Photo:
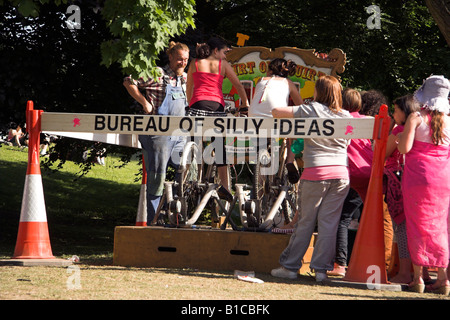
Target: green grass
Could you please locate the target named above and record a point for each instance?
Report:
(81, 212)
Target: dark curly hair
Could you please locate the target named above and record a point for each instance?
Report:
(372, 100)
(281, 67)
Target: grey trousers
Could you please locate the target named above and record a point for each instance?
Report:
(321, 203)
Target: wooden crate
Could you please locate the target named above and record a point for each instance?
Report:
(208, 249)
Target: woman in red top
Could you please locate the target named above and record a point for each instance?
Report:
(204, 88)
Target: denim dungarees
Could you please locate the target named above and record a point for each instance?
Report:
(162, 150)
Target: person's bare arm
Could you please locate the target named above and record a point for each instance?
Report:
(133, 90)
(391, 145)
(190, 82)
(406, 138)
(283, 112)
(294, 93)
(229, 73)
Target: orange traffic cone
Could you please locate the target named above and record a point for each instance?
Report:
(33, 240)
(367, 261)
(141, 218)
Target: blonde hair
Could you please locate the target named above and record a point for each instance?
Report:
(437, 126)
(329, 92)
(174, 46)
(351, 100)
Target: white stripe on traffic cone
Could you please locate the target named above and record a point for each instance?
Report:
(141, 218)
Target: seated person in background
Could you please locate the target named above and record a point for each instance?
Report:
(16, 136)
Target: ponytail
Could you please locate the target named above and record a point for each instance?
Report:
(282, 68)
(437, 126)
(204, 50)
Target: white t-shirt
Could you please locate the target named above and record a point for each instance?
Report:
(423, 131)
(269, 94)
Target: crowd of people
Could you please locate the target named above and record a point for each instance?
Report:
(417, 186)
(336, 171)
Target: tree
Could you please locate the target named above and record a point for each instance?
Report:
(142, 29)
(394, 59)
(440, 10)
(67, 70)
(59, 68)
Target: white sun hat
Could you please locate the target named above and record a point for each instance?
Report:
(433, 94)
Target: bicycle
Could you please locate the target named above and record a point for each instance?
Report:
(197, 185)
(275, 197)
(272, 198)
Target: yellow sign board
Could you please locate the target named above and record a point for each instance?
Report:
(250, 64)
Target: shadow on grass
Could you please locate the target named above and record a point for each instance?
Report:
(81, 213)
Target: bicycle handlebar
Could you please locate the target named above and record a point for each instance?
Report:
(241, 112)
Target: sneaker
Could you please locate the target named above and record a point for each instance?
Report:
(282, 272)
(337, 271)
(321, 276)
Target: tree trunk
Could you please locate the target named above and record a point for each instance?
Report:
(440, 10)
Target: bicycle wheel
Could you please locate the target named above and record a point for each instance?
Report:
(213, 177)
(275, 197)
(189, 177)
(289, 205)
(264, 192)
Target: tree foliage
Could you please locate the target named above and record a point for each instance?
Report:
(69, 70)
(81, 70)
(60, 69)
(142, 29)
(393, 59)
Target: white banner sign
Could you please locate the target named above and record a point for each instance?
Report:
(317, 128)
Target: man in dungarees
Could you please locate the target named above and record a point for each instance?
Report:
(162, 96)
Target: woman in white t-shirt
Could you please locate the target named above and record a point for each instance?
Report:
(273, 91)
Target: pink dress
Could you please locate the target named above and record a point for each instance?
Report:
(426, 200)
(360, 156)
(393, 170)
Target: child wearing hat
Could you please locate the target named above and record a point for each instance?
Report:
(425, 142)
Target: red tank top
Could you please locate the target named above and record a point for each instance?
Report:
(207, 86)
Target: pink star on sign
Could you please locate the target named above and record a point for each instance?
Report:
(349, 130)
(76, 122)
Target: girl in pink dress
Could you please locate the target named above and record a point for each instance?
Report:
(360, 152)
(426, 183)
(393, 172)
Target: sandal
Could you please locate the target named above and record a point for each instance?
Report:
(293, 175)
(416, 287)
(442, 289)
